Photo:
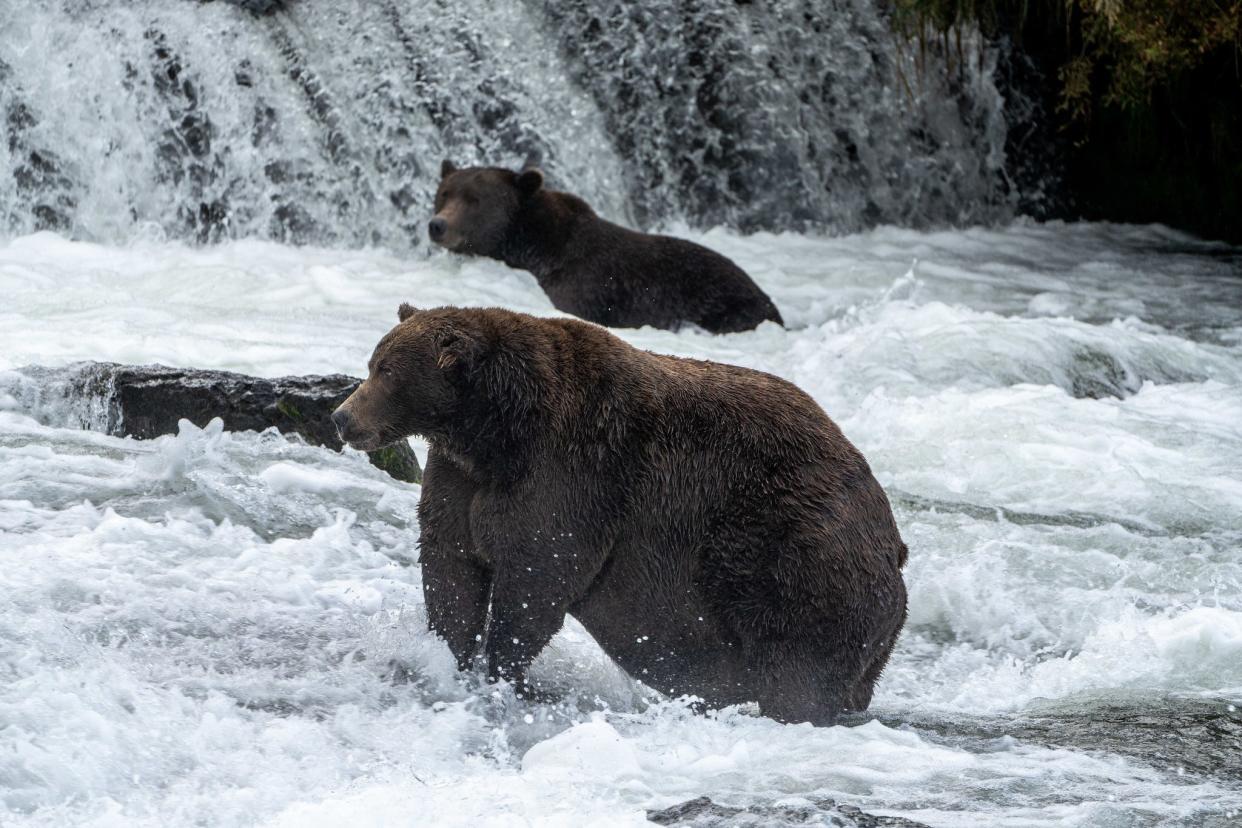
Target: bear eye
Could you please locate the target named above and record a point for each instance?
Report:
(386, 369)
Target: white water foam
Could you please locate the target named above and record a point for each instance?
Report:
(227, 628)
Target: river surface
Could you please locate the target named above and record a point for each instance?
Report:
(225, 629)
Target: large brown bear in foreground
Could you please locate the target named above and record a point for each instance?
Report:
(708, 524)
(590, 267)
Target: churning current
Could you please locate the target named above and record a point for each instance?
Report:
(227, 628)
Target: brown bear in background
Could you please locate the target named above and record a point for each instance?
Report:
(587, 266)
(708, 524)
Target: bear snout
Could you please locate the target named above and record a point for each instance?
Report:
(436, 229)
(355, 431)
(342, 420)
(351, 432)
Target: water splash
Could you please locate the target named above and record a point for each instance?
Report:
(82, 395)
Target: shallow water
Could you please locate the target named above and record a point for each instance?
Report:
(227, 628)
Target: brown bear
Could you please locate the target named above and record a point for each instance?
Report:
(589, 267)
(708, 524)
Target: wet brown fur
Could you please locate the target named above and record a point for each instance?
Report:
(590, 267)
(708, 524)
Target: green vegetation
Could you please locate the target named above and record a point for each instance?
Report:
(1117, 51)
(402, 465)
(1135, 47)
(1146, 94)
(289, 410)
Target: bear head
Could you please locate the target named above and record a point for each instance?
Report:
(476, 206)
(417, 380)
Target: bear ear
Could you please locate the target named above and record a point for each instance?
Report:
(529, 181)
(405, 311)
(456, 349)
(446, 167)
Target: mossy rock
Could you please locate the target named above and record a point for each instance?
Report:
(145, 401)
(289, 410)
(399, 461)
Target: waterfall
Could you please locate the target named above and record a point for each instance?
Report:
(325, 122)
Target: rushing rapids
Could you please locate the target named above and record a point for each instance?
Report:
(227, 627)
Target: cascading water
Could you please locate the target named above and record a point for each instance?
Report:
(227, 627)
(325, 122)
(788, 114)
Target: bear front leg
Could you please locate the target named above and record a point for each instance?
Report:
(455, 589)
(547, 541)
(456, 582)
(524, 619)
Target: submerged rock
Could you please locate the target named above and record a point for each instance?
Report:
(1189, 735)
(257, 7)
(703, 813)
(145, 401)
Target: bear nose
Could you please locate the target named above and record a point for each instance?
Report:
(436, 228)
(340, 418)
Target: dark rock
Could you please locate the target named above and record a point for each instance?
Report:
(257, 7)
(1190, 736)
(145, 401)
(703, 813)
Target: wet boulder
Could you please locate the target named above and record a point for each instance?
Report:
(257, 7)
(145, 401)
(704, 813)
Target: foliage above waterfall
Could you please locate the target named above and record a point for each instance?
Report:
(1141, 100)
(1119, 50)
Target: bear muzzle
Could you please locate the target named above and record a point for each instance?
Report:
(440, 231)
(351, 434)
(343, 422)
